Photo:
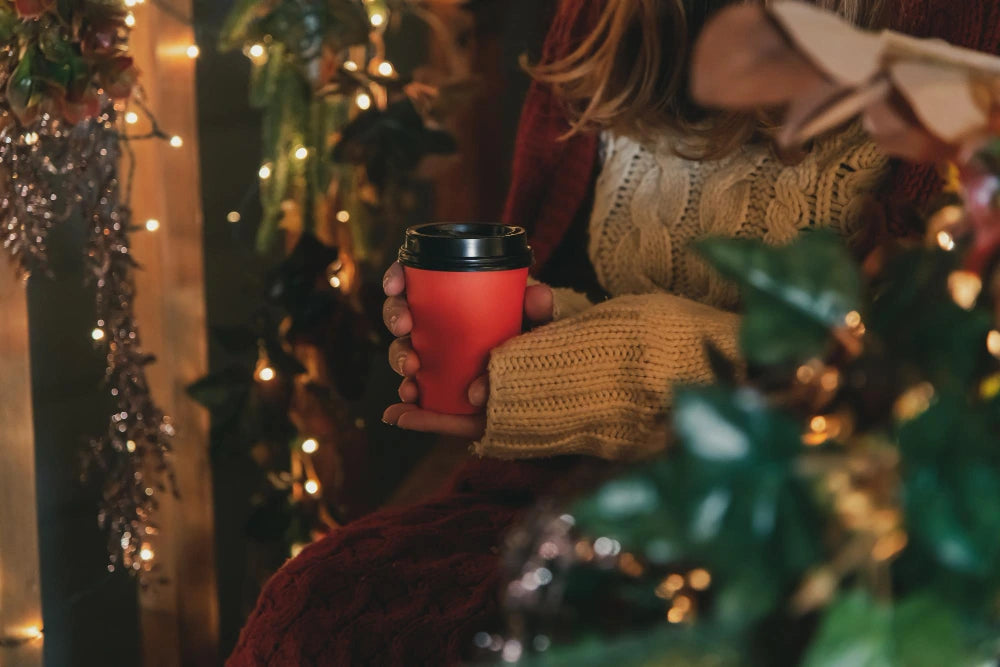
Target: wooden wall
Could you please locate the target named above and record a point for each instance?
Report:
(179, 620)
(20, 578)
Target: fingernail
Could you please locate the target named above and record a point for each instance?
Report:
(400, 362)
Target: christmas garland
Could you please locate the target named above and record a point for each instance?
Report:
(344, 131)
(67, 78)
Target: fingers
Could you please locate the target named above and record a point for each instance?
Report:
(394, 412)
(393, 283)
(408, 392)
(402, 358)
(412, 418)
(396, 315)
(538, 303)
(479, 391)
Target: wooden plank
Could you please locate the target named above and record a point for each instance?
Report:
(179, 619)
(20, 589)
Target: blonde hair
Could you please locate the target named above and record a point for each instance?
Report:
(630, 74)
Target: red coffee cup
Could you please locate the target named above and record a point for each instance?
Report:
(465, 286)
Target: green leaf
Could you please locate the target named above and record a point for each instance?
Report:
(951, 481)
(920, 631)
(733, 427)
(62, 64)
(855, 632)
(8, 23)
(723, 368)
(23, 85)
(236, 28)
(928, 633)
(913, 312)
(223, 391)
(793, 296)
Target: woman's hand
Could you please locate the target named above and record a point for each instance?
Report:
(404, 360)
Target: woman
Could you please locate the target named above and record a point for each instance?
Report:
(598, 381)
(411, 586)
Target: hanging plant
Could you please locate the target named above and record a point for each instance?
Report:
(66, 76)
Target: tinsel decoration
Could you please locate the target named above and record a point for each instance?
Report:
(67, 74)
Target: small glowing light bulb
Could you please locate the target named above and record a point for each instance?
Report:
(334, 281)
(312, 487)
(363, 101)
(97, 334)
(945, 240)
(131, 3)
(385, 68)
(310, 446)
(130, 446)
(265, 172)
(146, 553)
(699, 579)
(350, 66)
(257, 53)
(377, 19)
(130, 20)
(176, 141)
(266, 374)
(33, 632)
(131, 118)
(193, 51)
(234, 216)
(965, 288)
(152, 224)
(993, 342)
(343, 216)
(301, 153)
(31, 138)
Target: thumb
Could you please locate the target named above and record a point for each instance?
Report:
(538, 303)
(479, 391)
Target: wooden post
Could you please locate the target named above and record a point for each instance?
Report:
(179, 619)
(20, 590)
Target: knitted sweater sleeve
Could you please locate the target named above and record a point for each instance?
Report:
(600, 382)
(567, 302)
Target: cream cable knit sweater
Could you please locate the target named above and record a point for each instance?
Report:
(598, 380)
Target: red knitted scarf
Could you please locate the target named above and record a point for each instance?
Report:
(410, 586)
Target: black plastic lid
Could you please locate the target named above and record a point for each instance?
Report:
(466, 246)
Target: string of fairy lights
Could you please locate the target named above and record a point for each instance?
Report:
(257, 53)
(373, 94)
(140, 538)
(306, 478)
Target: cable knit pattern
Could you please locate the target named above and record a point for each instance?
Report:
(598, 381)
(651, 204)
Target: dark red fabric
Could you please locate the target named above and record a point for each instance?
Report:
(551, 176)
(971, 23)
(400, 587)
(409, 586)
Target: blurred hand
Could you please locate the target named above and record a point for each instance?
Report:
(404, 360)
